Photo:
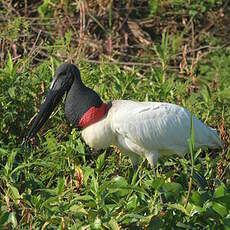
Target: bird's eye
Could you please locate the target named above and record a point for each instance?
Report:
(61, 75)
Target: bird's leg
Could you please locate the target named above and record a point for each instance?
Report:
(152, 159)
(135, 160)
(162, 196)
(135, 167)
(133, 174)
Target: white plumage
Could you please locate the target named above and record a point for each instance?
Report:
(149, 129)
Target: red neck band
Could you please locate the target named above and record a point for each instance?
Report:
(93, 115)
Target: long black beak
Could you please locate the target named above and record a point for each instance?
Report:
(52, 99)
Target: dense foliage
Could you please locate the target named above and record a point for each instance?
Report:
(58, 182)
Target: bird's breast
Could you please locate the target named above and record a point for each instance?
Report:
(99, 135)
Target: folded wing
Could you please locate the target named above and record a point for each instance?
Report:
(159, 127)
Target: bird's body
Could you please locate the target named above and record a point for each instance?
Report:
(139, 129)
(148, 129)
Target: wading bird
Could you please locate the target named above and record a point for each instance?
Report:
(139, 129)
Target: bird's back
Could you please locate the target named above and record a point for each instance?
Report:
(160, 127)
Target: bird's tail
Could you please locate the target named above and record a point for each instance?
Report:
(216, 141)
(206, 136)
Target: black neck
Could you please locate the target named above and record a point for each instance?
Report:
(79, 100)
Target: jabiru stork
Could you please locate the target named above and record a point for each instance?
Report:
(138, 129)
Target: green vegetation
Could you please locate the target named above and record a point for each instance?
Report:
(58, 182)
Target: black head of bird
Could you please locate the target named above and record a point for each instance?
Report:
(79, 98)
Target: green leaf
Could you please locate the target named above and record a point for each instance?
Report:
(82, 198)
(61, 185)
(94, 185)
(9, 65)
(50, 202)
(97, 223)
(220, 191)
(10, 161)
(172, 187)
(87, 172)
(43, 8)
(199, 198)
(132, 202)
(132, 216)
(220, 209)
(183, 226)
(118, 186)
(180, 208)
(13, 220)
(100, 161)
(11, 92)
(113, 224)
(172, 190)
(51, 142)
(157, 183)
(118, 181)
(227, 222)
(155, 223)
(68, 36)
(80, 147)
(195, 198)
(4, 218)
(15, 193)
(78, 209)
(224, 200)
(199, 179)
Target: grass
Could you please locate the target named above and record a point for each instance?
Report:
(59, 183)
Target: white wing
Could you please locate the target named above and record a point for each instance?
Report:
(144, 127)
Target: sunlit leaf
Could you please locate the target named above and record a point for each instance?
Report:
(13, 220)
(78, 209)
(15, 193)
(100, 161)
(220, 209)
(113, 224)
